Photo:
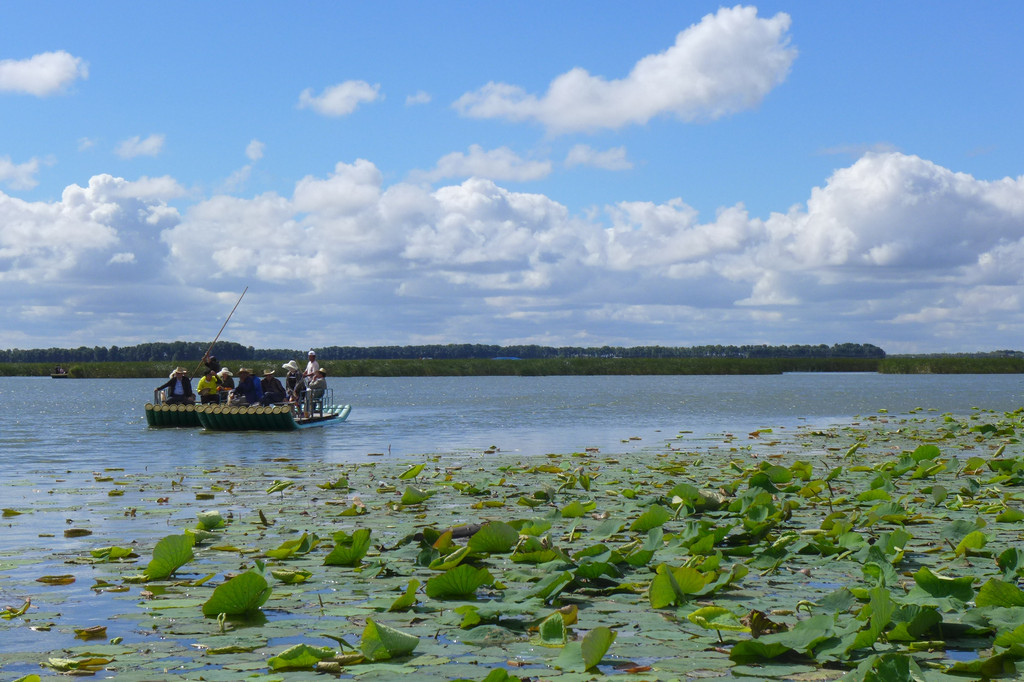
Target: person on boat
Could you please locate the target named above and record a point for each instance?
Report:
(207, 388)
(273, 391)
(211, 362)
(224, 381)
(248, 391)
(292, 380)
(312, 367)
(315, 393)
(179, 388)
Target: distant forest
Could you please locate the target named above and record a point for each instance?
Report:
(184, 351)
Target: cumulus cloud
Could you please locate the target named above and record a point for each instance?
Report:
(111, 221)
(496, 164)
(890, 247)
(44, 74)
(18, 175)
(137, 146)
(726, 63)
(609, 159)
(341, 99)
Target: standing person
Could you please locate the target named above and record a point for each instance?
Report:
(291, 382)
(273, 391)
(180, 388)
(312, 367)
(211, 362)
(248, 391)
(208, 387)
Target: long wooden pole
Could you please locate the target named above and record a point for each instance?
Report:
(221, 331)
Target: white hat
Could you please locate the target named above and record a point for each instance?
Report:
(290, 365)
(311, 352)
(225, 372)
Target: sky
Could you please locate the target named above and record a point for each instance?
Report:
(571, 173)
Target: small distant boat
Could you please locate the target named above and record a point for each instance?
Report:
(59, 375)
(222, 417)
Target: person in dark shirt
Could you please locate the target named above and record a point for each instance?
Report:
(273, 391)
(179, 388)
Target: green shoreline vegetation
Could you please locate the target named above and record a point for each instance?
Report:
(887, 548)
(554, 366)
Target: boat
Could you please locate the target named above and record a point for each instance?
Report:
(223, 417)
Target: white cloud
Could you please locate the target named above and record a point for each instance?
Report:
(137, 146)
(44, 74)
(112, 221)
(420, 97)
(727, 63)
(85, 144)
(495, 164)
(890, 247)
(18, 175)
(341, 99)
(254, 150)
(609, 159)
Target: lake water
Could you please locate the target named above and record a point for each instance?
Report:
(101, 422)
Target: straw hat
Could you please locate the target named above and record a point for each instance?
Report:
(268, 372)
(290, 365)
(179, 370)
(225, 373)
(246, 370)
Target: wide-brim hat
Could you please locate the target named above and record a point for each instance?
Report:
(290, 365)
(244, 369)
(225, 372)
(268, 372)
(180, 370)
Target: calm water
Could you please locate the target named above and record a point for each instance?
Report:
(101, 423)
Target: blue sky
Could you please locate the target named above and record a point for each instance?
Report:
(576, 173)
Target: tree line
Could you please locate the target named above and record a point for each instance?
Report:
(192, 351)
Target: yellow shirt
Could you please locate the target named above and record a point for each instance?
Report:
(207, 386)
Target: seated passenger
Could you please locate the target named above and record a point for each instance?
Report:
(179, 388)
(208, 388)
(248, 391)
(315, 393)
(273, 391)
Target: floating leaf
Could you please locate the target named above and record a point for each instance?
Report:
(408, 599)
(415, 495)
(381, 642)
(495, 537)
(349, 550)
(291, 576)
(717, 618)
(242, 595)
(996, 592)
(208, 520)
(65, 579)
(299, 656)
(552, 630)
(461, 581)
(170, 554)
(655, 516)
(412, 472)
(93, 632)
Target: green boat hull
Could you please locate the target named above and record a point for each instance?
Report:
(225, 418)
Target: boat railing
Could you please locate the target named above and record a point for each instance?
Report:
(315, 407)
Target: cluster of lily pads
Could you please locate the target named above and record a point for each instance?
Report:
(883, 550)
